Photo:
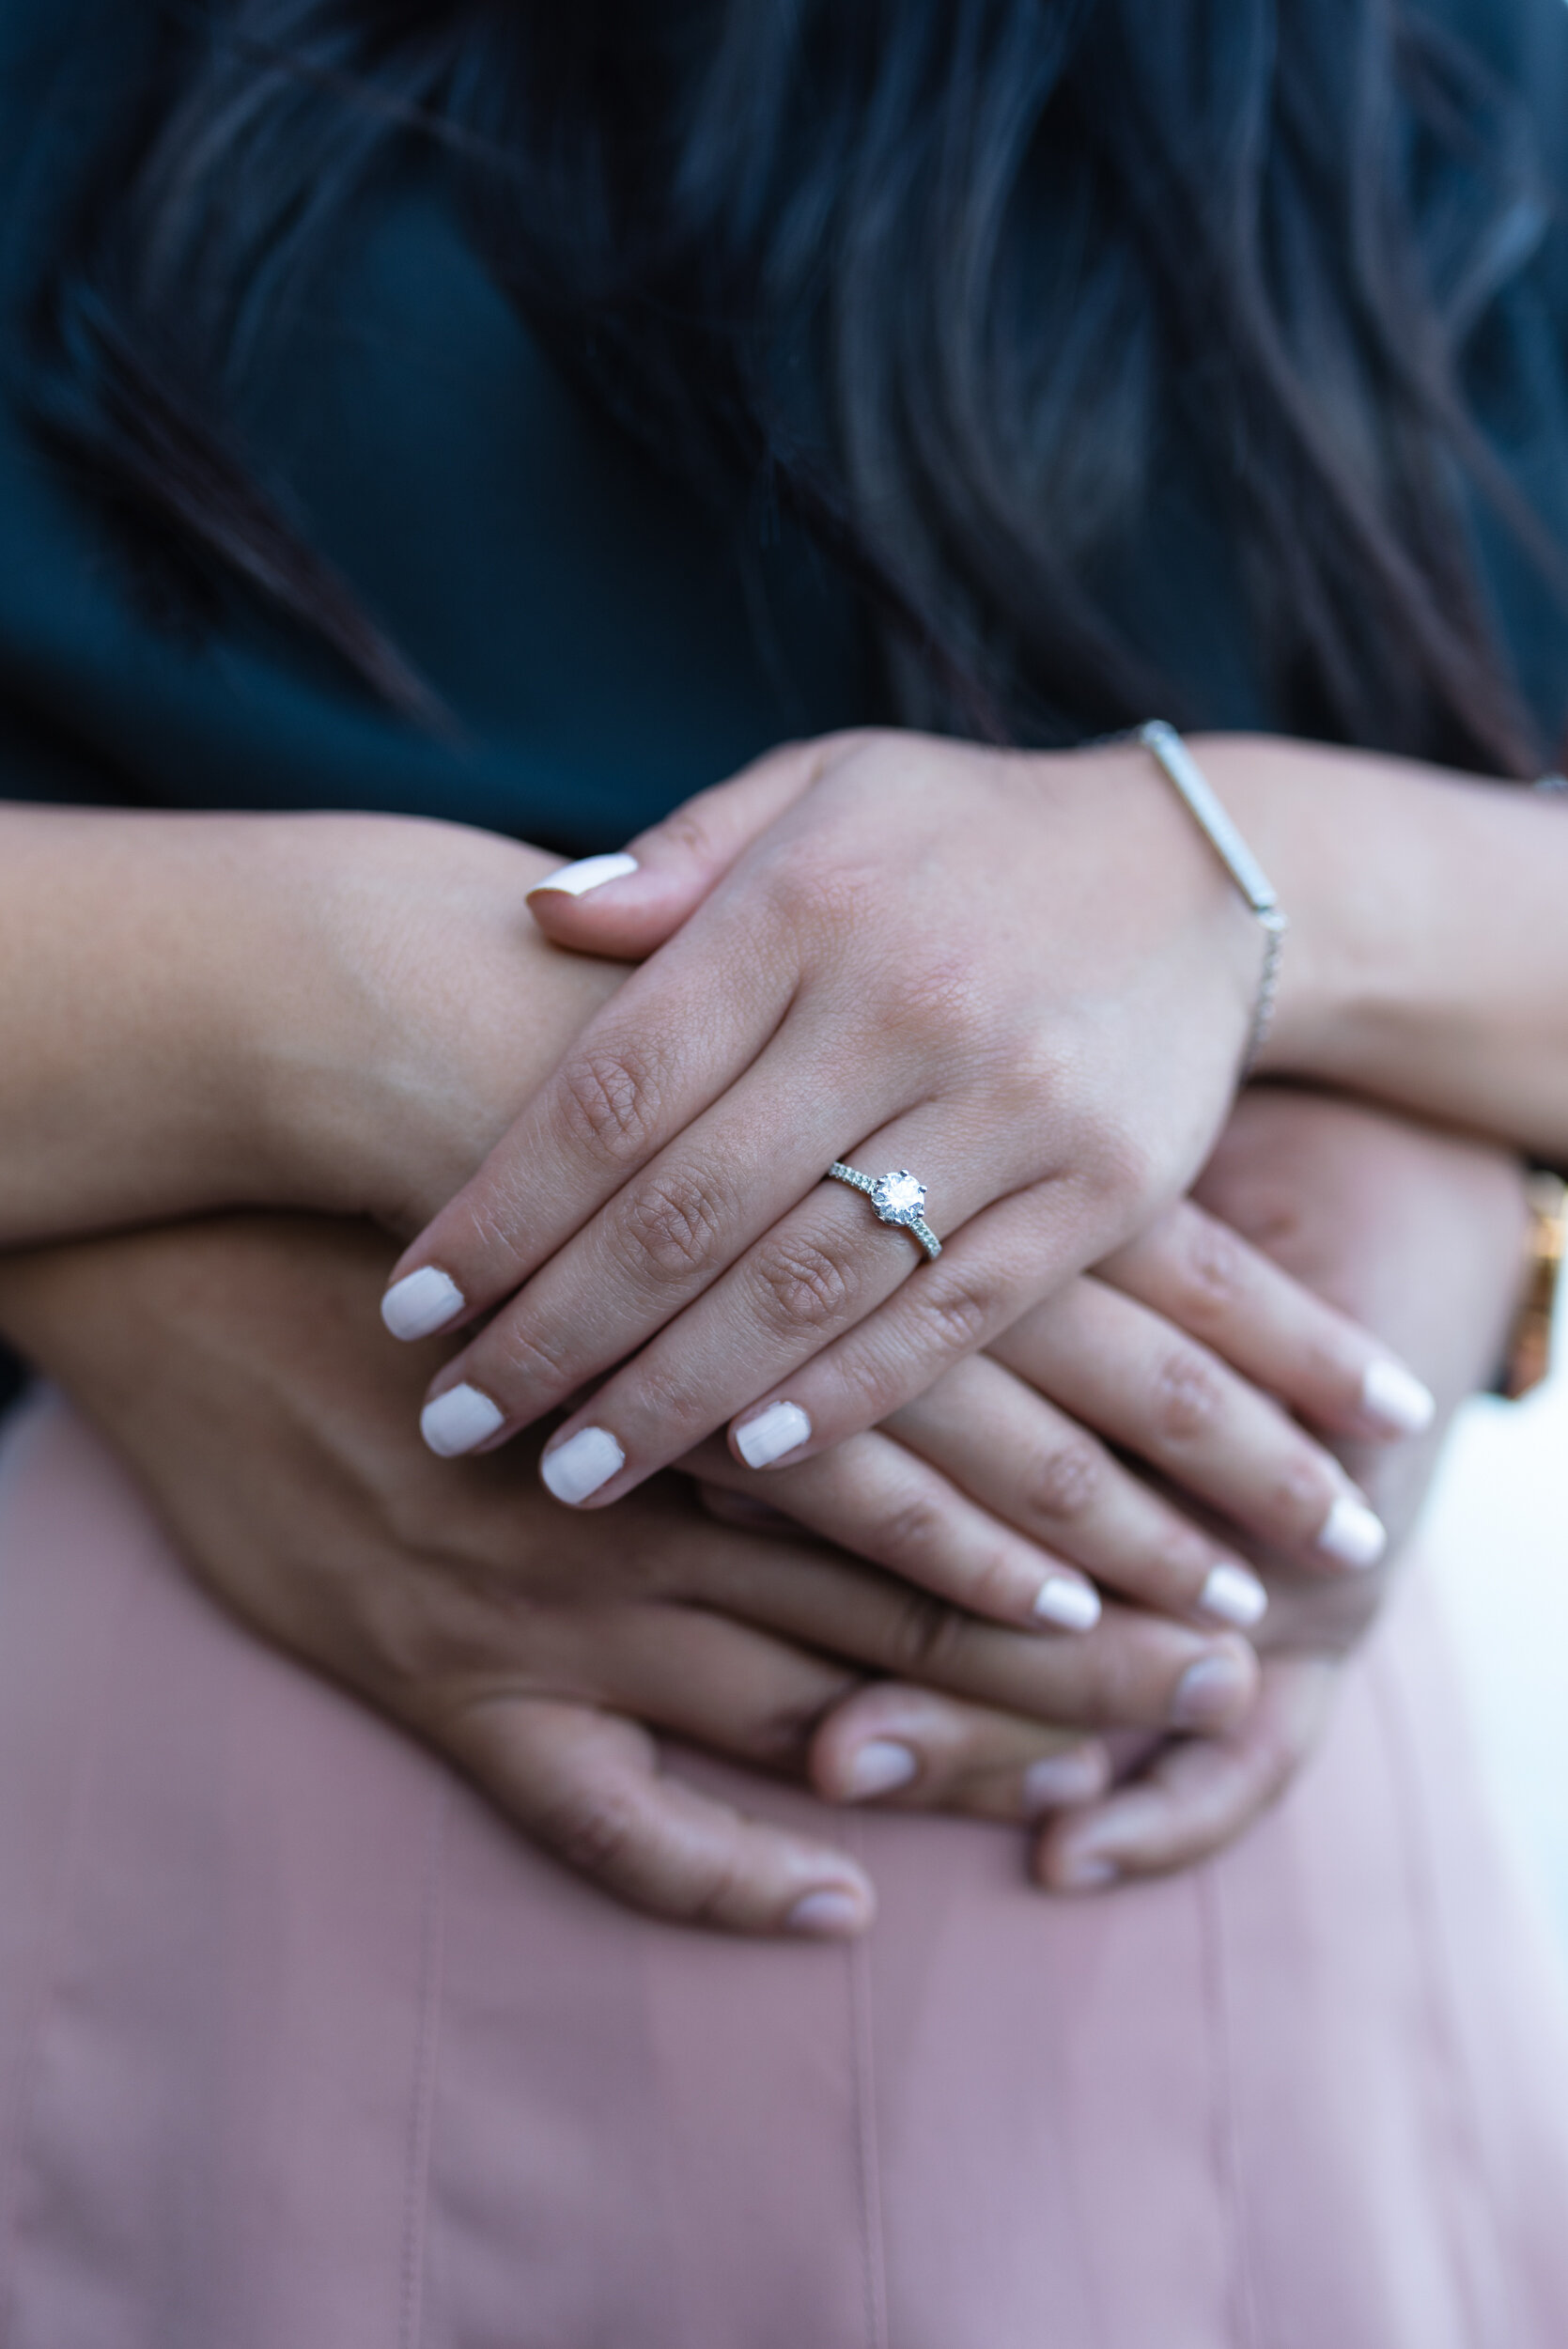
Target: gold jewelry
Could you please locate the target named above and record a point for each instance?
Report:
(1529, 1345)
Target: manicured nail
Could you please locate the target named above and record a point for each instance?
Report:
(458, 1420)
(1070, 1606)
(1205, 1695)
(880, 1765)
(1235, 1596)
(1086, 1872)
(581, 1465)
(1394, 1398)
(1352, 1533)
(421, 1303)
(589, 872)
(829, 1914)
(783, 1427)
(1064, 1778)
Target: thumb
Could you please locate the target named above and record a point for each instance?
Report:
(627, 904)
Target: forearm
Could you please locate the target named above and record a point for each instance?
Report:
(1427, 959)
(212, 1011)
(122, 940)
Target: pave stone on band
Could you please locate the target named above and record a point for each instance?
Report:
(897, 1198)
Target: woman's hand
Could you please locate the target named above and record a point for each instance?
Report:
(239, 1368)
(1027, 977)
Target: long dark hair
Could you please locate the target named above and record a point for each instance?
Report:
(966, 284)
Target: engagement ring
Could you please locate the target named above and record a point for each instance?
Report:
(897, 1198)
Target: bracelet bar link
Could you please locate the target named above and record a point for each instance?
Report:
(1202, 803)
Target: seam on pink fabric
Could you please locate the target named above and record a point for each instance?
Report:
(873, 2241)
(13, 2152)
(1245, 2327)
(422, 2102)
(1449, 2069)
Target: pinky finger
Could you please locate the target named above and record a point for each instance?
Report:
(586, 1786)
(1198, 1795)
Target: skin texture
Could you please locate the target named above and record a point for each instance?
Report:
(237, 1366)
(354, 1026)
(1422, 1234)
(1032, 988)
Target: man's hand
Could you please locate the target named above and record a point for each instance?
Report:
(1420, 1235)
(239, 1367)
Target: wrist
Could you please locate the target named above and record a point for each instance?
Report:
(1315, 829)
(411, 1007)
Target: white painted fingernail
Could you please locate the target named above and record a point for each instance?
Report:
(1085, 1873)
(421, 1303)
(1205, 1695)
(589, 872)
(1352, 1533)
(1070, 1606)
(581, 1465)
(783, 1427)
(1235, 1596)
(1064, 1778)
(827, 1914)
(1396, 1399)
(458, 1420)
(880, 1765)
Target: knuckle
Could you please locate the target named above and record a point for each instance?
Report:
(1188, 1396)
(1301, 1494)
(610, 1098)
(672, 1226)
(778, 1737)
(958, 1312)
(1111, 1686)
(690, 831)
(944, 1004)
(1121, 1172)
(910, 1532)
(870, 1386)
(1067, 1480)
(819, 899)
(1182, 1561)
(721, 1891)
(592, 1829)
(805, 1283)
(677, 1397)
(1211, 1265)
(927, 1638)
(520, 1358)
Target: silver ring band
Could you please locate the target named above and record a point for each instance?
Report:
(897, 1198)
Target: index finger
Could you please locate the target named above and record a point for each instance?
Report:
(1205, 1277)
(667, 1047)
(587, 1786)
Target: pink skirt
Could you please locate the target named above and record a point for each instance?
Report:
(302, 2048)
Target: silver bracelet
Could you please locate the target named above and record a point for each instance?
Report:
(1203, 806)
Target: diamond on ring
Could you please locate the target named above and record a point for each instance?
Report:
(897, 1197)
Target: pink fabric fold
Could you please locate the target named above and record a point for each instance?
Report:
(302, 2048)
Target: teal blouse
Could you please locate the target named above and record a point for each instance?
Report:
(604, 645)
